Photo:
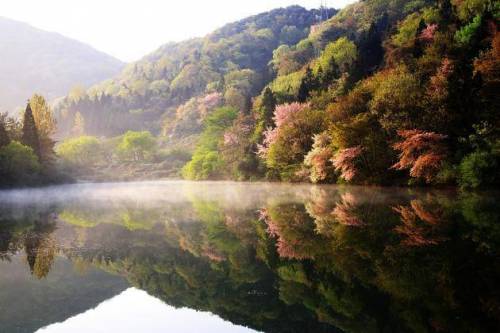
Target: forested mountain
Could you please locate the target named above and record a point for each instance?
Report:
(231, 63)
(384, 91)
(38, 61)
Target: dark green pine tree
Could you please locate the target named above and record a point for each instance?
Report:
(268, 106)
(309, 83)
(418, 47)
(445, 10)
(371, 52)
(4, 136)
(30, 133)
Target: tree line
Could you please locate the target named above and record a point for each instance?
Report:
(27, 155)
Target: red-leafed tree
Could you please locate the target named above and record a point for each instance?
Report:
(423, 153)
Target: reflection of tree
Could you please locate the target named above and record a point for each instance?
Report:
(40, 246)
(294, 231)
(304, 266)
(418, 224)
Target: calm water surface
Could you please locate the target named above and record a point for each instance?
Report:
(237, 257)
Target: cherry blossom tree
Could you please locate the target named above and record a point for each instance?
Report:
(345, 162)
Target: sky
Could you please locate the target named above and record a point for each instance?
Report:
(129, 29)
(136, 311)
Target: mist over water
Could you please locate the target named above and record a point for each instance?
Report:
(233, 194)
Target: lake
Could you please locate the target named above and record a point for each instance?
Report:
(248, 257)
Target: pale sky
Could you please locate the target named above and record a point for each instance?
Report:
(129, 29)
(135, 311)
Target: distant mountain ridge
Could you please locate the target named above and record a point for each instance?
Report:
(48, 63)
(163, 91)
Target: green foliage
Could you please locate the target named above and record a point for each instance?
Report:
(466, 33)
(396, 99)
(232, 60)
(82, 151)
(286, 87)
(467, 9)
(407, 30)
(18, 165)
(479, 168)
(137, 145)
(30, 136)
(342, 51)
(4, 136)
(206, 161)
(294, 140)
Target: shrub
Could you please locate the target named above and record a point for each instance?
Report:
(81, 151)
(18, 165)
(478, 169)
(137, 145)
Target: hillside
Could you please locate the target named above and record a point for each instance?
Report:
(383, 92)
(232, 61)
(38, 61)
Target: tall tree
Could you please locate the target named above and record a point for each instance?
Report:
(4, 136)
(268, 106)
(30, 136)
(45, 125)
(309, 83)
(78, 125)
(418, 47)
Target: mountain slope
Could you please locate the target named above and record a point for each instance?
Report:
(34, 60)
(231, 62)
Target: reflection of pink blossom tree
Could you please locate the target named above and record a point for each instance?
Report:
(344, 211)
(212, 254)
(291, 231)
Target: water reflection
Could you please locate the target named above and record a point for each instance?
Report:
(276, 258)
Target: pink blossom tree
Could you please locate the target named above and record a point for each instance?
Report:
(282, 114)
(345, 161)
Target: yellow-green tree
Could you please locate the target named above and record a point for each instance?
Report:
(45, 125)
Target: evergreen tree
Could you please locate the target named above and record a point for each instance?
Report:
(418, 48)
(46, 127)
(371, 52)
(78, 125)
(309, 83)
(445, 10)
(30, 134)
(268, 106)
(4, 136)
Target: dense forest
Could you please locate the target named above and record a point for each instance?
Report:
(27, 155)
(380, 92)
(385, 92)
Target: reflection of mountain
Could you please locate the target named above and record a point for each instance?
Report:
(292, 259)
(27, 304)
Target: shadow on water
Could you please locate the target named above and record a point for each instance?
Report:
(273, 257)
